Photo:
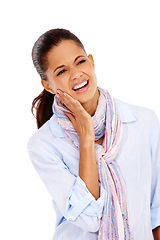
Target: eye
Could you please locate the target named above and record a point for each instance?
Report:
(82, 61)
(62, 71)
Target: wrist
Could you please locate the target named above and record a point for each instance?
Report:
(86, 142)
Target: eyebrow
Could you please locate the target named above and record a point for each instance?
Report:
(74, 62)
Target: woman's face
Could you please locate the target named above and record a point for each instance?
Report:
(72, 71)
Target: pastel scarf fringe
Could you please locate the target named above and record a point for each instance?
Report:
(115, 220)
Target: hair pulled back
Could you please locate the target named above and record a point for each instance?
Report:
(44, 101)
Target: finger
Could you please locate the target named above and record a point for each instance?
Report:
(71, 103)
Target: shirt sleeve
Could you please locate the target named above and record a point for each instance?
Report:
(69, 192)
(155, 186)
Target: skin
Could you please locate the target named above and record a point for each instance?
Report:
(156, 233)
(78, 66)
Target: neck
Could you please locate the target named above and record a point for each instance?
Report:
(91, 106)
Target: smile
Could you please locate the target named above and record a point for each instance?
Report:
(81, 85)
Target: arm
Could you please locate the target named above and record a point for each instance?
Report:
(156, 233)
(82, 123)
(71, 198)
(71, 194)
(88, 167)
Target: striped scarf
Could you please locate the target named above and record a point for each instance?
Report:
(106, 120)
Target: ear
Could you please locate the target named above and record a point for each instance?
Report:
(91, 59)
(47, 86)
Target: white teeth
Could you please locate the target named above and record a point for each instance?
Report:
(80, 85)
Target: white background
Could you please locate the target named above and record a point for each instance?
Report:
(124, 38)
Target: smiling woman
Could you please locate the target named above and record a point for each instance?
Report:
(98, 157)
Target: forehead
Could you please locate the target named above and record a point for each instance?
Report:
(65, 52)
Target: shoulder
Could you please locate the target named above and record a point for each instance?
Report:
(134, 113)
(48, 143)
(47, 136)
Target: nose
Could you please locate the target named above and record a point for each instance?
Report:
(75, 74)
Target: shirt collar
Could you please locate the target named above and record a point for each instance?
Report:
(127, 116)
(126, 112)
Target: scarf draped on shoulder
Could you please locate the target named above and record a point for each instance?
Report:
(107, 122)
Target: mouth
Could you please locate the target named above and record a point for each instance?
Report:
(81, 86)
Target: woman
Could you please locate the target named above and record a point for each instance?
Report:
(98, 157)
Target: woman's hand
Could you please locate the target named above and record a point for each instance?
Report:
(81, 120)
(83, 124)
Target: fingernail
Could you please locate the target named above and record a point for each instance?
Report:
(58, 92)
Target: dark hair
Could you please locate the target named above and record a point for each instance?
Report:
(43, 103)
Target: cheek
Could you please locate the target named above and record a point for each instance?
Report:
(55, 82)
(89, 68)
(59, 83)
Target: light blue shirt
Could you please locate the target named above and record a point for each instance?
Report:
(78, 213)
